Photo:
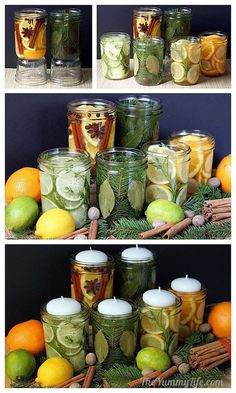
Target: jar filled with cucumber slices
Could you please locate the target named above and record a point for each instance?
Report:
(67, 336)
(121, 179)
(148, 60)
(115, 336)
(167, 172)
(115, 54)
(138, 120)
(185, 58)
(65, 182)
(147, 22)
(177, 23)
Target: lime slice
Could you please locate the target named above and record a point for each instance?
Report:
(48, 333)
(136, 64)
(194, 53)
(193, 74)
(78, 361)
(152, 65)
(182, 195)
(177, 71)
(51, 352)
(112, 50)
(68, 335)
(70, 186)
(179, 51)
(47, 204)
(152, 324)
(150, 340)
(156, 191)
(46, 183)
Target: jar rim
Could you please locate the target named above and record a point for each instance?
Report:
(213, 32)
(148, 261)
(201, 134)
(203, 290)
(142, 41)
(66, 13)
(151, 103)
(75, 153)
(143, 10)
(109, 106)
(182, 148)
(110, 262)
(115, 34)
(177, 304)
(180, 11)
(103, 156)
(84, 312)
(135, 311)
(190, 38)
(26, 12)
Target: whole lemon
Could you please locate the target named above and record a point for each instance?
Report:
(154, 358)
(54, 223)
(54, 371)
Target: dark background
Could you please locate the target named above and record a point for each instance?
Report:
(204, 17)
(85, 38)
(36, 274)
(36, 122)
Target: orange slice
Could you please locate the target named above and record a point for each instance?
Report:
(188, 310)
(220, 53)
(195, 163)
(208, 50)
(206, 66)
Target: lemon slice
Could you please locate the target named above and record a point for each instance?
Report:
(177, 71)
(46, 183)
(89, 295)
(182, 171)
(152, 65)
(41, 40)
(206, 65)
(194, 53)
(188, 310)
(208, 163)
(182, 195)
(93, 141)
(174, 323)
(179, 51)
(69, 335)
(155, 324)
(48, 333)
(150, 340)
(156, 175)
(200, 312)
(193, 74)
(190, 138)
(196, 162)
(156, 191)
(136, 64)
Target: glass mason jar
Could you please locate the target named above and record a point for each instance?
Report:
(115, 53)
(213, 52)
(67, 336)
(147, 22)
(159, 326)
(65, 182)
(121, 178)
(167, 173)
(91, 125)
(65, 46)
(135, 276)
(192, 311)
(185, 58)
(202, 147)
(148, 60)
(30, 45)
(92, 283)
(138, 120)
(177, 23)
(115, 336)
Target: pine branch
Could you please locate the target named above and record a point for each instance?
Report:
(202, 194)
(197, 338)
(119, 375)
(207, 231)
(195, 378)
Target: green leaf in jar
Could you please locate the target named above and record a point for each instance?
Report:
(106, 199)
(136, 195)
(152, 65)
(100, 346)
(128, 343)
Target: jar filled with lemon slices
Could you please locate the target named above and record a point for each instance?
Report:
(202, 147)
(213, 53)
(167, 173)
(91, 125)
(185, 57)
(147, 22)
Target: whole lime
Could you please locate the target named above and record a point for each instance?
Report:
(21, 213)
(20, 364)
(167, 211)
(154, 358)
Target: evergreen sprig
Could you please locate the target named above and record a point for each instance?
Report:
(196, 379)
(119, 375)
(202, 194)
(196, 339)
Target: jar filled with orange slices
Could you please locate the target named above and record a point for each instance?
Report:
(202, 147)
(91, 125)
(167, 173)
(185, 57)
(213, 53)
(30, 44)
(193, 295)
(159, 320)
(147, 22)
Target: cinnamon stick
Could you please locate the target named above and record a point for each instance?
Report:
(105, 384)
(224, 209)
(18, 39)
(34, 36)
(107, 131)
(165, 375)
(220, 216)
(142, 380)
(77, 378)
(74, 233)
(223, 221)
(93, 229)
(206, 362)
(74, 133)
(89, 377)
(215, 364)
(155, 231)
(213, 201)
(174, 230)
(216, 343)
(151, 25)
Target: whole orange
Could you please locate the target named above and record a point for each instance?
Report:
(25, 181)
(223, 172)
(220, 319)
(27, 335)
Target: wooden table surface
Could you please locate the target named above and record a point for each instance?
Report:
(10, 82)
(221, 82)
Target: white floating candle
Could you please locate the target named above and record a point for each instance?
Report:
(159, 298)
(63, 306)
(136, 253)
(114, 307)
(91, 257)
(186, 284)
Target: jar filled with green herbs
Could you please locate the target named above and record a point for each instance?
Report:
(115, 330)
(138, 120)
(135, 272)
(177, 23)
(148, 60)
(65, 46)
(121, 178)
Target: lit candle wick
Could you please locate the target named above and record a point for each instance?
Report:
(159, 288)
(186, 276)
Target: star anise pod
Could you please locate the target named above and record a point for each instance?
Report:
(27, 32)
(95, 129)
(92, 286)
(143, 27)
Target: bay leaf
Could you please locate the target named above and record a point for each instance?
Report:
(136, 195)
(100, 346)
(106, 199)
(128, 343)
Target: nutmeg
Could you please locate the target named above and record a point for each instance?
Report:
(93, 213)
(177, 360)
(205, 328)
(90, 359)
(184, 368)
